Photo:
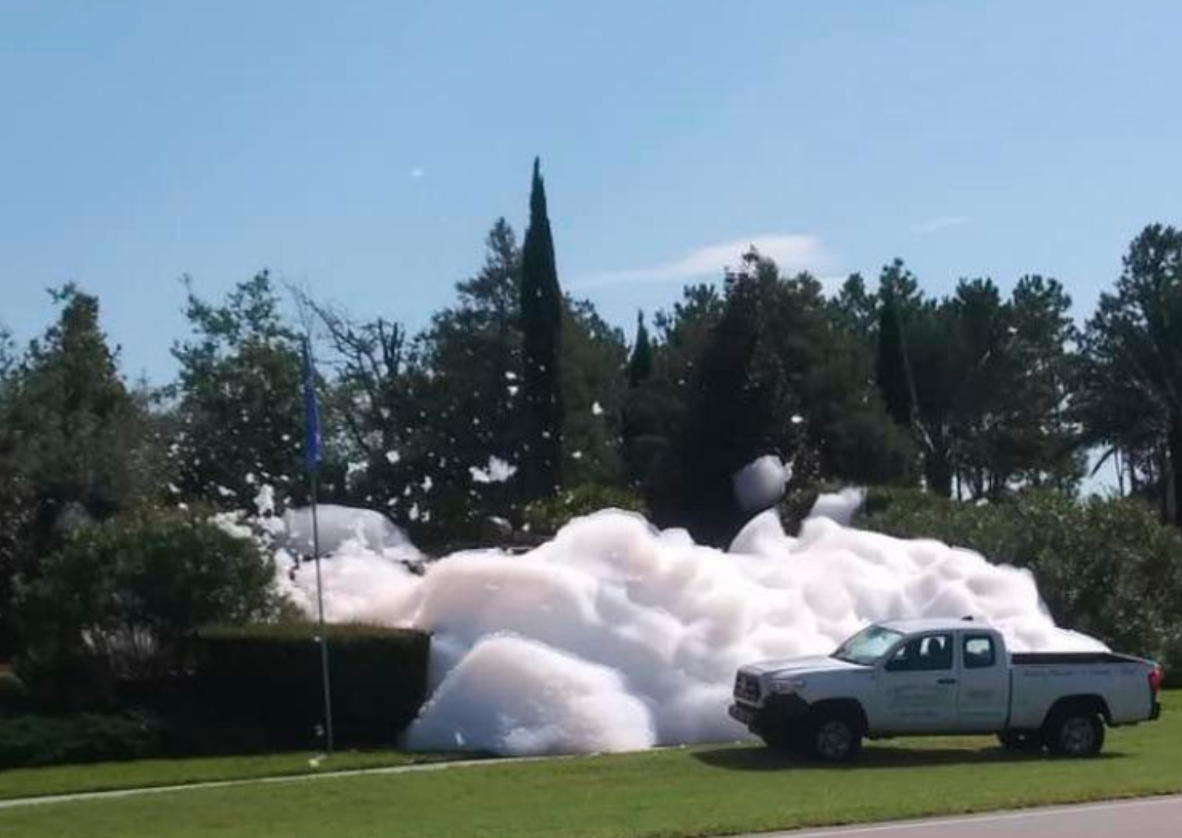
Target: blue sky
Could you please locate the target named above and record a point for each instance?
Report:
(364, 149)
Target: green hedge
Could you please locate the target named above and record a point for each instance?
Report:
(29, 740)
(260, 687)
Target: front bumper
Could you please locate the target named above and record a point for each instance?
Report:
(776, 713)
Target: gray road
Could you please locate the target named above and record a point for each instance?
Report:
(1155, 817)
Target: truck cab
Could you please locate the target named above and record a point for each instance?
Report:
(934, 677)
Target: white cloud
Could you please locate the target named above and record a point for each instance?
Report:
(792, 252)
(933, 225)
(418, 173)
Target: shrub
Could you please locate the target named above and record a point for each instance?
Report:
(30, 740)
(550, 514)
(1105, 567)
(260, 686)
(122, 598)
(14, 696)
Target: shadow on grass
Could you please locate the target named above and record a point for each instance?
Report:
(755, 758)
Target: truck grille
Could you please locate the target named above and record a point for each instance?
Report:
(747, 687)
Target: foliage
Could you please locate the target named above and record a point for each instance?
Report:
(594, 357)
(14, 695)
(981, 382)
(75, 443)
(29, 740)
(121, 598)
(260, 685)
(1130, 384)
(551, 514)
(766, 368)
(240, 413)
(541, 328)
(1105, 567)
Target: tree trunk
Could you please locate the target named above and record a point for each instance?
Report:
(1173, 472)
(938, 472)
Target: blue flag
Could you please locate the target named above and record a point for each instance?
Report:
(311, 412)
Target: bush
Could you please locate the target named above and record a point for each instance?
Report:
(260, 686)
(14, 696)
(122, 598)
(1105, 567)
(550, 514)
(30, 740)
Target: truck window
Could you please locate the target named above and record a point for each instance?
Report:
(924, 654)
(979, 652)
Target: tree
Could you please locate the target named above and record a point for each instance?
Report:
(463, 408)
(240, 413)
(75, 444)
(593, 363)
(640, 363)
(541, 326)
(120, 598)
(892, 369)
(1130, 384)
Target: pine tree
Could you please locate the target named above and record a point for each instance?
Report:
(640, 365)
(891, 368)
(541, 325)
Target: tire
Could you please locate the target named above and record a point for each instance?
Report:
(1074, 733)
(835, 737)
(1020, 740)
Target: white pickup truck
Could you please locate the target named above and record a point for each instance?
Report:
(933, 677)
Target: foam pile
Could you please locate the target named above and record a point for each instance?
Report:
(618, 636)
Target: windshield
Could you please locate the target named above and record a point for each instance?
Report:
(867, 646)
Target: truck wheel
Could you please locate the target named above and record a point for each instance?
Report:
(835, 738)
(1020, 740)
(1075, 733)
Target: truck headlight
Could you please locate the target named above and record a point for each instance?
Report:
(788, 685)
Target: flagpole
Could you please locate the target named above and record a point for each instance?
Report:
(312, 460)
(320, 610)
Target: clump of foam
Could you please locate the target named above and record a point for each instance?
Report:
(341, 525)
(615, 635)
(760, 484)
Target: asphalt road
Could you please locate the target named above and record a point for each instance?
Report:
(1155, 817)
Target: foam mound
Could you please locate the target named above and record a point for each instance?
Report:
(616, 636)
(341, 526)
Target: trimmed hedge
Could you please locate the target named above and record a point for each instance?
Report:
(260, 686)
(30, 740)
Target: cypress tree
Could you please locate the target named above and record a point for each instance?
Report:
(640, 365)
(891, 367)
(541, 326)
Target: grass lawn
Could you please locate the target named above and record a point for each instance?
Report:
(103, 776)
(686, 792)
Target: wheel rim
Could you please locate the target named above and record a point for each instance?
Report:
(1077, 736)
(834, 740)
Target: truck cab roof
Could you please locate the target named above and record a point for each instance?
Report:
(916, 626)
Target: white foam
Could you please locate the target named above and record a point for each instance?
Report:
(760, 483)
(340, 525)
(616, 636)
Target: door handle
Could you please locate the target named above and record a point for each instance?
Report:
(946, 681)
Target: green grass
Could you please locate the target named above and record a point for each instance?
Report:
(685, 792)
(105, 776)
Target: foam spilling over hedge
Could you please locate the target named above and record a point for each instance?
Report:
(616, 636)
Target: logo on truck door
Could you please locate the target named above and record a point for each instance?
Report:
(912, 686)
